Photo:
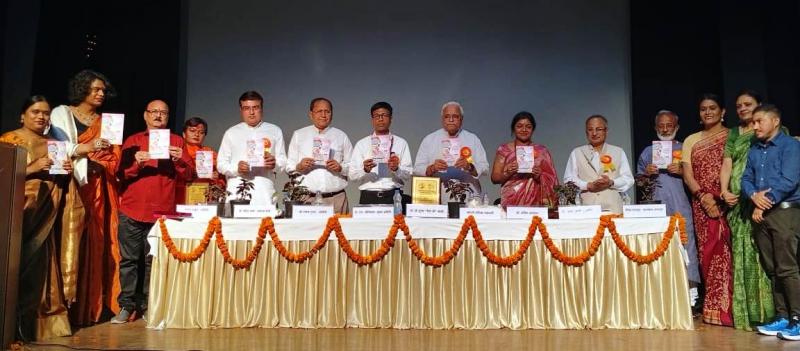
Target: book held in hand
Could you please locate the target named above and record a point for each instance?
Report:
(255, 152)
(321, 150)
(57, 152)
(158, 146)
(204, 164)
(111, 127)
(525, 158)
(451, 148)
(662, 153)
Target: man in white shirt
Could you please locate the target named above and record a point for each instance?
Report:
(252, 150)
(322, 154)
(452, 152)
(600, 170)
(381, 162)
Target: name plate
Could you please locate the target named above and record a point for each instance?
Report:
(644, 211)
(426, 211)
(526, 212)
(373, 212)
(311, 212)
(579, 212)
(252, 211)
(492, 212)
(198, 211)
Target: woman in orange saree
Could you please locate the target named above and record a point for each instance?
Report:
(702, 176)
(97, 284)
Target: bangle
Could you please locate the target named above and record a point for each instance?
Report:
(698, 194)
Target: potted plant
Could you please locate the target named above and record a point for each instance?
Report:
(216, 195)
(242, 193)
(646, 188)
(293, 192)
(458, 192)
(566, 195)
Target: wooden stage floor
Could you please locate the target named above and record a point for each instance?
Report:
(133, 336)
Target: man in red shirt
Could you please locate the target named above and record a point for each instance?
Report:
(147, 186)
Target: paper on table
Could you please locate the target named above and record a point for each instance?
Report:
(57, 152)
(111, 127)
(662, 153)
(158, 146)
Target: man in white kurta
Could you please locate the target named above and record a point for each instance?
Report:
(600, 170)
(439, 154)
(234, 160)
(324, 174)
(380, 172)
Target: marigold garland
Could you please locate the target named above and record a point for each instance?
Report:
(512, 259)
(302, 256)
(252, 254)
(447, 256)
(581, 258)
(386, 245)
(662, 246)
(267, 226)
(193, 255)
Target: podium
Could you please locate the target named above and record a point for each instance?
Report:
(12, 200)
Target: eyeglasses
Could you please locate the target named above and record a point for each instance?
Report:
(596, 130)
(452, 117)
(158, 112)
(382, 115)
(251, 108)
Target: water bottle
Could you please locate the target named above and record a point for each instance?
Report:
(397, 200)
(318, 199)
(486, 200)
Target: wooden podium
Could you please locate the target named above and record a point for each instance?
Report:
(12, 199)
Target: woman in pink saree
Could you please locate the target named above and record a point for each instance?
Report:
(524, 169)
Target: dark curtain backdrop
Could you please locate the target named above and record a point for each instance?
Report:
(681, 49)
(133, 43)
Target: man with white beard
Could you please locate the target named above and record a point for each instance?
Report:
(670, 191)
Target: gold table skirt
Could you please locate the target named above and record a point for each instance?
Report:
(330, 291)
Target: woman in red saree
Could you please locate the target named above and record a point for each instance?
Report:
(97, 284)
(534, 188)
(702, 176)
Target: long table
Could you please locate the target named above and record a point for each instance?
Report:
(331, 291)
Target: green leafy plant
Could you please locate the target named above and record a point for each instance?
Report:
(243, 190)
(457, 190)
(216, 194)
(294, 190)
(646, 186)
(566, 193)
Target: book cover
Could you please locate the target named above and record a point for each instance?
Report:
(57, 152)
(158, 146)
(525, 158)
(111, 127)
(204, 164)
(662, 153)
(321, 150)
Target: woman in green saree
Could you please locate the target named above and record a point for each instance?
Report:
(752, 296)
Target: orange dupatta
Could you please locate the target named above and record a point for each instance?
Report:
(98, 280)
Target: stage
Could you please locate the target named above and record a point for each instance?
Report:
(135, 336)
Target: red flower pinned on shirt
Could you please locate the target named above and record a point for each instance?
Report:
(608, 165)
(466, 153)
